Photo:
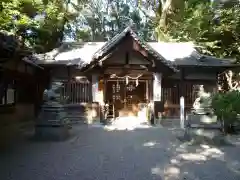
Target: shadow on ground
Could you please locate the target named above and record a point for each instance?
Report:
(94, 152)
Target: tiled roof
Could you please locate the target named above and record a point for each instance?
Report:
(185, 54)
(171, 54)
(70, 54)
(144, 45)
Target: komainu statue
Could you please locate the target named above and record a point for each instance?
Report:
(202, 104)
(52, 95)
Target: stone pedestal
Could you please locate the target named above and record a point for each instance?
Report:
(203, 128)
(52, 123)
(203, 121)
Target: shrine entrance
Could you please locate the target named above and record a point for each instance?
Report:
(125, 96)
(123, 77)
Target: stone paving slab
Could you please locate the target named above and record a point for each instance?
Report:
(95, 153)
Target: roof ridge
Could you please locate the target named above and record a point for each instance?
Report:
(109, 44)
(112, 40)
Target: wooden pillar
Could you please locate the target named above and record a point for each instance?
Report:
(182, 100)
(105, 89)
(157, 97)
(94, 87)
(147, 91)
(157, 87)
(104, 111)
(95, 106)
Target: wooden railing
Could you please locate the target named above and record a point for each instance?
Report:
(74, 92)
(171, 98)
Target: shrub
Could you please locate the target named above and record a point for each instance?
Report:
(227, 107)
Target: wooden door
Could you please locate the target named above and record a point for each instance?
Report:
(115, 94)
(125, 96)
(135, 93)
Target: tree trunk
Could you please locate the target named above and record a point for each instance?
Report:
(166, 7)
(170, 9)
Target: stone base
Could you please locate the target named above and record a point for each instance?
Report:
(54, 133)
(52, 123)
(199, 136)
(203, 129)
(203, 121)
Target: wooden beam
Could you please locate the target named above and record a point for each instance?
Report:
(119, 71)
(100, 62)
(130, 66)
(143, 52)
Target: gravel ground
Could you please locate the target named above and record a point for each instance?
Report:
(94, 153)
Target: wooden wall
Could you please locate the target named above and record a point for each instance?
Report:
(22, 79)
(173, 89)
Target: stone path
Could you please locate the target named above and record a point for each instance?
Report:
(95, 153)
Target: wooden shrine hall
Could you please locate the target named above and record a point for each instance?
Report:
(128, 74)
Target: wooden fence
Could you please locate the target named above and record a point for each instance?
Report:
(76, 92)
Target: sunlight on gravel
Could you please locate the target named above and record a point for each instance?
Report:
(127, 123)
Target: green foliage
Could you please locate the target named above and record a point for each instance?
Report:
(104, 19)
(227, 106)
(83, 35)
(43, 24)
(214, 30)
(40, 23)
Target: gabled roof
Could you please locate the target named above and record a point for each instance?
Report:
(172, 54)
(116, 39)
